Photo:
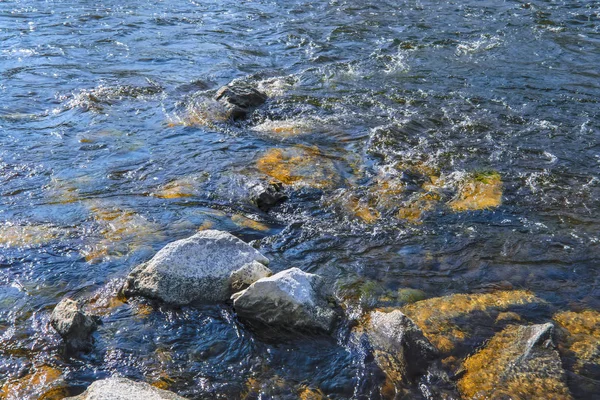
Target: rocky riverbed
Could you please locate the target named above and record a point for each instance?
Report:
(342, 199)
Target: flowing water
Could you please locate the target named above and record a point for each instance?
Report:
(109, 150)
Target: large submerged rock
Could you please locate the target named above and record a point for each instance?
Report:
(195, 269)
(291, 299)
(518, 363)
(579, 341)
(124, 389)
(399, 347)
(73, 325)
(43, 382)
(460, 321)
(301, 166)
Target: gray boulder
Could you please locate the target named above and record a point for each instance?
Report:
(73, 325)
(247, 275)
(291, 299)
(399, 347)
(239, 98)
(124, 389)
(195, 269)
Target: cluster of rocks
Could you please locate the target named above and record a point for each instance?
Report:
(406, 343)
(210, 267)
(410, 343)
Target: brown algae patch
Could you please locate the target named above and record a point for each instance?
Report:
(28, 235)
(300, 166)
(479, 192)
(122, 231)
(66, 191)
(245, 222)
(183, 187)
(582, 339)
(414, 208)
(285, 128)
(36, 384)
(515, 364)
(437, 316)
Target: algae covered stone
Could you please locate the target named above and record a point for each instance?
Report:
(581, 342)
(399, 346)
(301, 166)
(479, 192)
(195, 269)
(518, 363)
(43, 382)
(449, 321)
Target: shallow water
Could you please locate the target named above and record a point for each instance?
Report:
(107, 154)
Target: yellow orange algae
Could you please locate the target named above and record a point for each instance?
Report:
(507, 368)
(480, 192)
(436, 316)
(300, 166)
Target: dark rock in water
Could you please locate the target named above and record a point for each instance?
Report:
(399, 347)
(73, 325)
(240, 99)
(291, 299)
(124, 389)
(267, 195)
(520, 362)
(195, 269)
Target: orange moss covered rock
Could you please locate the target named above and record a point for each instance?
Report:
(518, 363)
(446, 321)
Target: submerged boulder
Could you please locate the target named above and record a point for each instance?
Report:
(239, 98)
(399, 347)
(460, 321)
(518, 363)
(290, 299)
(300, 166)
(579, 342)
(195, 269)
(478, 192)
(73, 325)
(42, 382)
(124, 389)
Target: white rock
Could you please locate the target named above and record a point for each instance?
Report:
(290, 299)
(195, 269)
(124, 389)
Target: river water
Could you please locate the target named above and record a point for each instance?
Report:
(107, 154)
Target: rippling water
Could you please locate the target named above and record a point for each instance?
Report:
(106, 155)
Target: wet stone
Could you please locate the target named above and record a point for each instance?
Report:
(450, 322)
(73, 325)
(44, 382)
(520, 362)
(580, 342)
(479, 192)
(240, 99)
(124, 389)
(399, 347)
(267, 195)
(195, 269)
(247, 275)
(300, 166)
(291, 299)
